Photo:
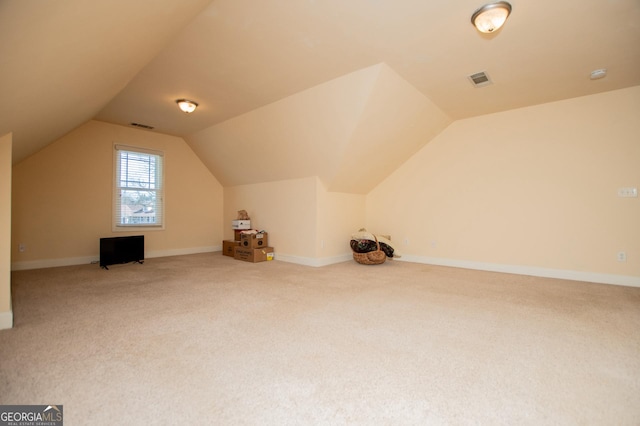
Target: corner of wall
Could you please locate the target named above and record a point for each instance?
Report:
(6, 313)
(526, 200)
(6, 320)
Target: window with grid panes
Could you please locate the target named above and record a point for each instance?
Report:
(138, 189)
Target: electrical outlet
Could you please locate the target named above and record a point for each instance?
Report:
(622, 256)
(406, 241)
(21, 248)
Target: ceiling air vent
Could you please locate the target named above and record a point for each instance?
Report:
(480, 79)
(142, 126)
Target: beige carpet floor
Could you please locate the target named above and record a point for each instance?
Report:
(205, 339)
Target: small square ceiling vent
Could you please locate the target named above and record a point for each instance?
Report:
(480, 79)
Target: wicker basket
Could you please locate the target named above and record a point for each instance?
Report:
(371, 258)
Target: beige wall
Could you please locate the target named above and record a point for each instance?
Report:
(6, 315)
(62, 197)
(285, 209)
(528, 188)
(339, 216)
(306, 223)
(535, 187)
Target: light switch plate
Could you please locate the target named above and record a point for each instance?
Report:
(627, 192)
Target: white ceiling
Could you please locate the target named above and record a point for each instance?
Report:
(68, 61)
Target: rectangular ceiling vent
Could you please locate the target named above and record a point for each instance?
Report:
(142, 126)
(480, 79)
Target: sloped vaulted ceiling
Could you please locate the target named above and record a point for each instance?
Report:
(397, 120)
(351, 132)
(299, 136)
(323, 83)
(62, 61)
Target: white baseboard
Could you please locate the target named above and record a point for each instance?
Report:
(6, 320)
(70, 261)
(181, 252)
(594, 277)
(312, 261)
(52, 263)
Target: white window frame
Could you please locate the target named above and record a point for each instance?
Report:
(117, 226)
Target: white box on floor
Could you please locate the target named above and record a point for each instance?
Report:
(241, 224)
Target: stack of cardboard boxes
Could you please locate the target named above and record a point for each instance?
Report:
(248, 244)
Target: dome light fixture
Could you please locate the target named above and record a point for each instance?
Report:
(490, 17)
(186, 105)
(597, 74)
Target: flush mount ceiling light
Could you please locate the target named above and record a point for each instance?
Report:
(491, 17)
(597, 74)
(186, 105)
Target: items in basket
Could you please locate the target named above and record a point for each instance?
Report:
(365, 246)
(371, 249)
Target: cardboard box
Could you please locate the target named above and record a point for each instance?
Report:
(254, 240)
(241, 224)
(229, 247)
(254, 255)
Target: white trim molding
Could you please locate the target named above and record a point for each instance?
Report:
(181, 252)
(312, 261)
(53, 263)
(6, 320)
(593, 277)
(70, 261)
